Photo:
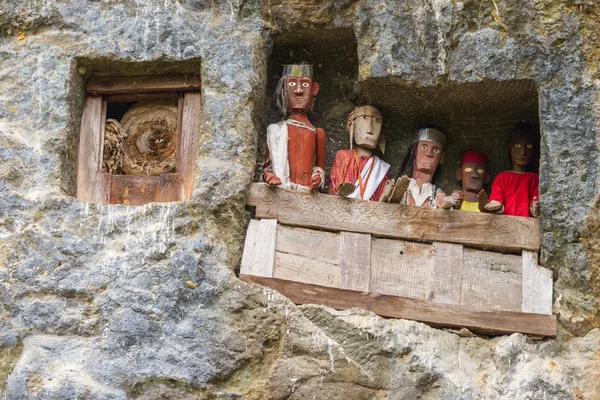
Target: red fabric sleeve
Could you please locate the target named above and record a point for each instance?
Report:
(335, 176)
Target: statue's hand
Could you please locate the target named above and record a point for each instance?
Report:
(534, 209)
(272, 179)
(494, 206)
(454, 200)
(399, 189)
(387, 190)
(315, 182)
(482, 200)
(346, 189)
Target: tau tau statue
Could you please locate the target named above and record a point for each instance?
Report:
(358, 173)
(516, 192)
(472, 174)
(422, 160)
(295, 156)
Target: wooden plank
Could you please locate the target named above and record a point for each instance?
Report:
(98, 85)
(318, 245)
(135, 97)
(91, 185)
(355, 261)
(400, 268)
(435, 314)
(299, 268)
(259, 249)
(187, 144)
(491, 281)
(308, 256)
(335, 213)
(446, 273)
(171, 187)
(134, 190)
(537, 285)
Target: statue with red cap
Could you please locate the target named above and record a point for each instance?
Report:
(295, 156)
(472, 174)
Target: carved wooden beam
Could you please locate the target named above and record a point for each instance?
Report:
(335, 213)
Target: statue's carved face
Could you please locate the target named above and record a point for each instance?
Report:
(521, 151)
(429, 156)
(473, 176)
(300, 91)
(366, 130)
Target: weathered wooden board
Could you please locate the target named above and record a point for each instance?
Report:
(134, 190)
(317, 245)
(135, 97)
(92, 185)
(99, 85)
(491, 281)
(537, 285)
(400, 268)
(307, 270)
(335, 213)
(259, 249)
(446, 273)
(355, 261)
(187, 145)
(307, 256)
(436, 314)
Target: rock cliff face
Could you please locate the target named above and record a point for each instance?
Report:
(93, 298)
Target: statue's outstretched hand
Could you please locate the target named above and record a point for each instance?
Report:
(534, 208)
(482, 199)
(387, 190)
(315, 182)
(454, 200)
(494, 206)
(272, 179)
(399, 189)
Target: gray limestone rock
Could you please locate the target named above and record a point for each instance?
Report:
(94, 302)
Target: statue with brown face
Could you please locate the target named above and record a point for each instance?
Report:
(423, 159)
(358, 173)
(472, 174)
(516, 192)
(295, 156)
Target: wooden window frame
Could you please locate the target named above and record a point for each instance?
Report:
(95, 186)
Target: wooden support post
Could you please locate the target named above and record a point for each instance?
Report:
(435, 314)
(537, 285)
(259, 250)
(92, 185)
(187, 146)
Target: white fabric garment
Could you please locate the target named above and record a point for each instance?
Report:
(422, 194)
(277, 140)
(380, 169)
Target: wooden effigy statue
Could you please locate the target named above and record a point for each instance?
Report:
(472, 174)
(295, 156)
(358, 173)
(422, 161)
(516, 192)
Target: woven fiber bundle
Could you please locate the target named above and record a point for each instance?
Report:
(113, 147)
(150, 130)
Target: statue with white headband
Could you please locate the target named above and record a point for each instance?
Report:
(422, 161)
(358, 173)
(295, 156)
